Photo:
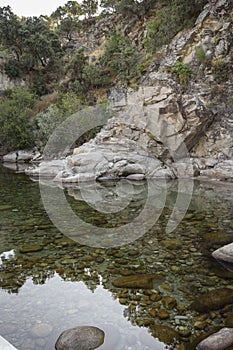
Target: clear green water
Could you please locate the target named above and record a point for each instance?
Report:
(65, 284)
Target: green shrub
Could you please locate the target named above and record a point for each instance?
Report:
(16, 127)
(201, 55)
(39, 81)
(47, 121)
(120, 57)
(183, 73)
(172, 18)
(12, 69)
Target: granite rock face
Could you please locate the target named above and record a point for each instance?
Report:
(148, 138)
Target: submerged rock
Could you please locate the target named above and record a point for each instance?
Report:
(218, 341)
(30, 248)
(136, 281)
(229, 320)
(81, 338)
(41, 330)
(213, 300)
(165, 334)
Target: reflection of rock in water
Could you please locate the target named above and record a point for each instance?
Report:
(42, 252)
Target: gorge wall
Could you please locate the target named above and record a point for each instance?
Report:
(168, 127)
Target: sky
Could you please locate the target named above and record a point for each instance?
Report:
(29, 8)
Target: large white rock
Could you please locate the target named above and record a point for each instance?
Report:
(217, 341)
(19, 156)
(224, 253)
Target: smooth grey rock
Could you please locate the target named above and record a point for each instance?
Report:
(80, 338)
(217, 341)
(136, 177)
(18, 156)
(222, 170)
(224, 253)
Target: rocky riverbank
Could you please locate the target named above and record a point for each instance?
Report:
(165, 128)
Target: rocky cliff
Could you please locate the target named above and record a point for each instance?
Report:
(174, 124)
(5, 81)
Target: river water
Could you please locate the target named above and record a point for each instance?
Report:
(52, 279)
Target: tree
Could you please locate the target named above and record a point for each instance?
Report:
(68, 26)
(120, 56)
(89, 7)
(109, 5)
(77, 64)
(16, 129)
(135, 7)
(30, 40)
(10, 30)
(70, 9)
(41, 45)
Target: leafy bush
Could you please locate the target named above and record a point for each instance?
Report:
(201, 55)
(47, 121)
(120, 57)
(183, 73)
(39, 81)
(172, 18)
(16, 129)
(12, 68)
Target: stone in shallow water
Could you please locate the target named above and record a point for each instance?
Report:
(81, 338)
(224, 253)
(5, 207)
(229, 320)
(213, 300)
(163, 314)
(41, 330)
(164, 334)
(169, 302)
(136, 281)
(30, 248)
(218, 341)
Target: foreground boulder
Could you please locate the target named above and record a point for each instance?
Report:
(224, 253)
(218, 341)
(213, 300)
(81, 338)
